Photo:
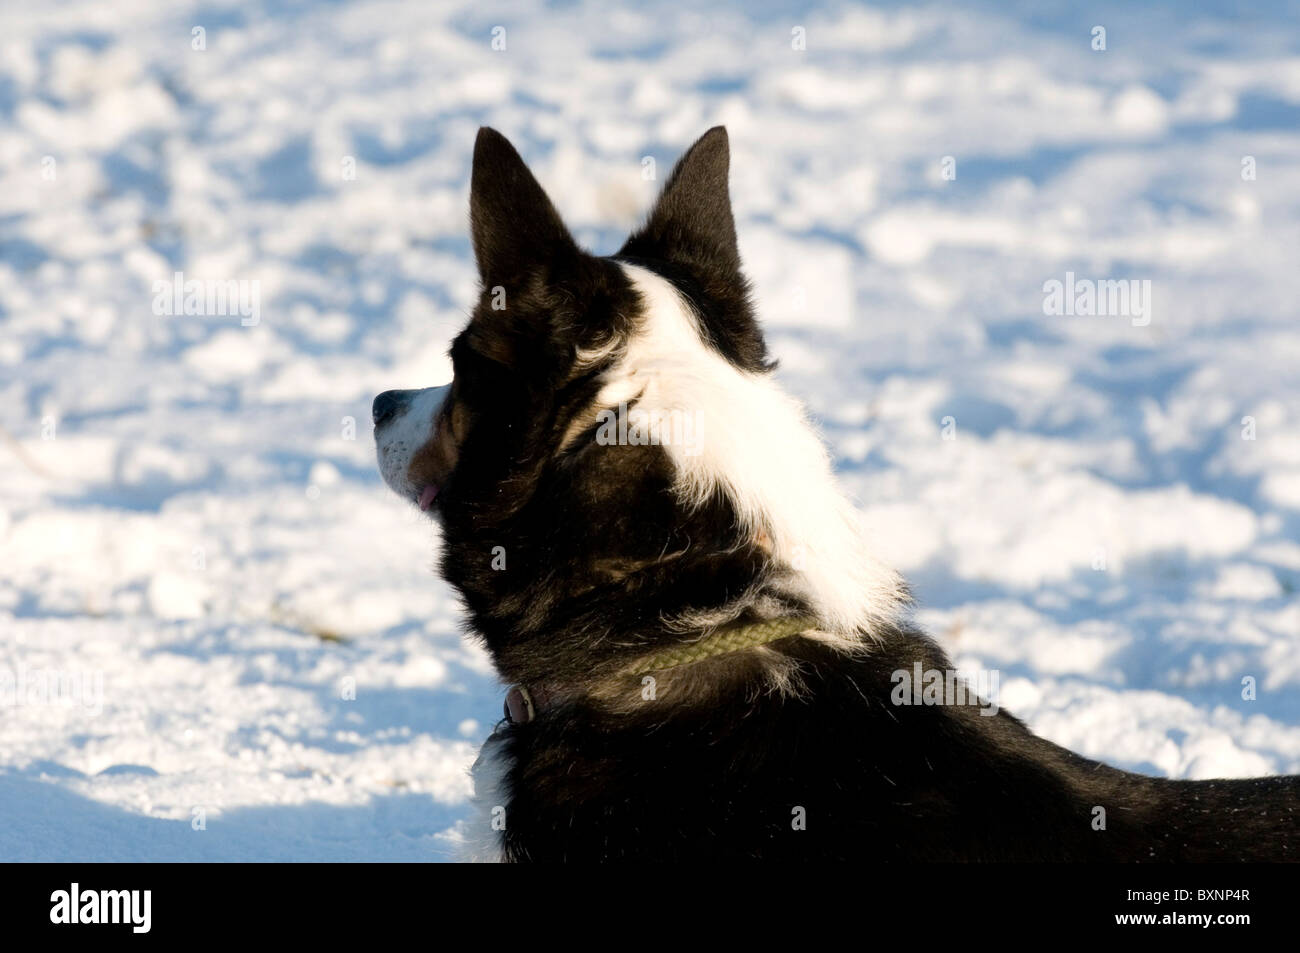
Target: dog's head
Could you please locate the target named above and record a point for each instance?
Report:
(612, 451)
(551, 318)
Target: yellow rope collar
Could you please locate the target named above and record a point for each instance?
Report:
(523, 703)
(725, 642)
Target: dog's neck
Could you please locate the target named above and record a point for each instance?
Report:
(526, 702)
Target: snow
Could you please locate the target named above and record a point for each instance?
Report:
(228, 636)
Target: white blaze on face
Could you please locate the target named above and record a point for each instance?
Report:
(754, 443)
(402, 436)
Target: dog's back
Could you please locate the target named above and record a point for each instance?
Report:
(838, 771)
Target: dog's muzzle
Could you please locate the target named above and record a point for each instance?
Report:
(405, 422)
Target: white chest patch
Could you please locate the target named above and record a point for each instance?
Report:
(487, 822)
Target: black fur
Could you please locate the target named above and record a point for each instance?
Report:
(600, 552)
(722, 779)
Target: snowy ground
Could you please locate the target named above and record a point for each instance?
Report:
(189, 524)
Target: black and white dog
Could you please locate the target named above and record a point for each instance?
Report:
(649, 539)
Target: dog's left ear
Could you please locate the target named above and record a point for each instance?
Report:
(513, 224)
(692, 222)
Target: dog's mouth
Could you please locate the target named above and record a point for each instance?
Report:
(426, 497)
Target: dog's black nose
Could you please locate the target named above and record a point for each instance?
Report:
(387, 404)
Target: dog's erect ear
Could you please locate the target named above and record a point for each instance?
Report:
(513, 224)
(692, 220)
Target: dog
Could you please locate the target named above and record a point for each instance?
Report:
(705, 653)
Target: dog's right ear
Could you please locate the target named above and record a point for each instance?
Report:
(692, 219)
(513, 224)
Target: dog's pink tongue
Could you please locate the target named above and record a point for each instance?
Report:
(427, 495)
